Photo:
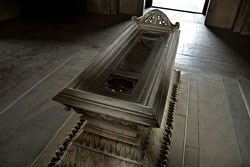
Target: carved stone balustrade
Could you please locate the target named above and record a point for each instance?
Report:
(122, 96)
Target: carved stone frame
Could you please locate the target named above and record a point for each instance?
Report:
(149, 110)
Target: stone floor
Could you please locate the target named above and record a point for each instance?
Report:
(39, 56)
(212, 123)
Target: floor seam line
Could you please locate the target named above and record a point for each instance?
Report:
(34, 86)
(197, 87)
(244, 98)
(180, 115)
(191, 147)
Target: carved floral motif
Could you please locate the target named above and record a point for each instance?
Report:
(119, 84)
(106, 118)
(92, 150)
(157, 18)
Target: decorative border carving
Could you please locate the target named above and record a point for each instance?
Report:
(165, 143)
(62, 148)
(106, 118)
(139, 107)
(89, 149)
(160, 138)
(156, 18)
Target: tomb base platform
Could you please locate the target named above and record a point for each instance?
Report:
(102, 141)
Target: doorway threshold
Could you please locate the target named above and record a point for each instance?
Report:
(157, 7)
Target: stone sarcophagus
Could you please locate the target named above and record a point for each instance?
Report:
(122, 96)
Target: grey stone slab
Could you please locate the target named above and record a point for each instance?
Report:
(197, 69)
(210, 76)
(118, 28)
(206, 75)
(218, 144)
(209, 66)
(240, 118)
(97, 39)
(196, 49)
(32, 121)
(177, 142)
(191, 157)
(195, 39)
(45, 157)
(192, 119)
(20, 78)
(21, 145)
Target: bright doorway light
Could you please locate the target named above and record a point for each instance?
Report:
(183, 5)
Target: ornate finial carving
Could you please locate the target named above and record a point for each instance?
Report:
(157, 18)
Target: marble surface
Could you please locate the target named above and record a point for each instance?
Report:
(46, 53)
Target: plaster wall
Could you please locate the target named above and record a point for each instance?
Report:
(132, 7)
(98, 6)
(9, 9)
(242, 21)
(112, 7)
(222, 13)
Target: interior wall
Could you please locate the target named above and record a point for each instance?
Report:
(9, 9)
(43, 7)
(106, 7)
(245, 30)
(242, 21)
(222, 13)
(13, 8)
(112, 7)
(132, 7)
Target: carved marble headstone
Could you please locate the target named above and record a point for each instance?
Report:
(122, 96)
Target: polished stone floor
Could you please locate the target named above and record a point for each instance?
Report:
(212, 123)
(39, 56)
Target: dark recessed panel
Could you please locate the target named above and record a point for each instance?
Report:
(119, 84)
(137, 57)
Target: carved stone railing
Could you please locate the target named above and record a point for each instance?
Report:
(122, 94)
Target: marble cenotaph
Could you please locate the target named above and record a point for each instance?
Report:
(126, 98)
